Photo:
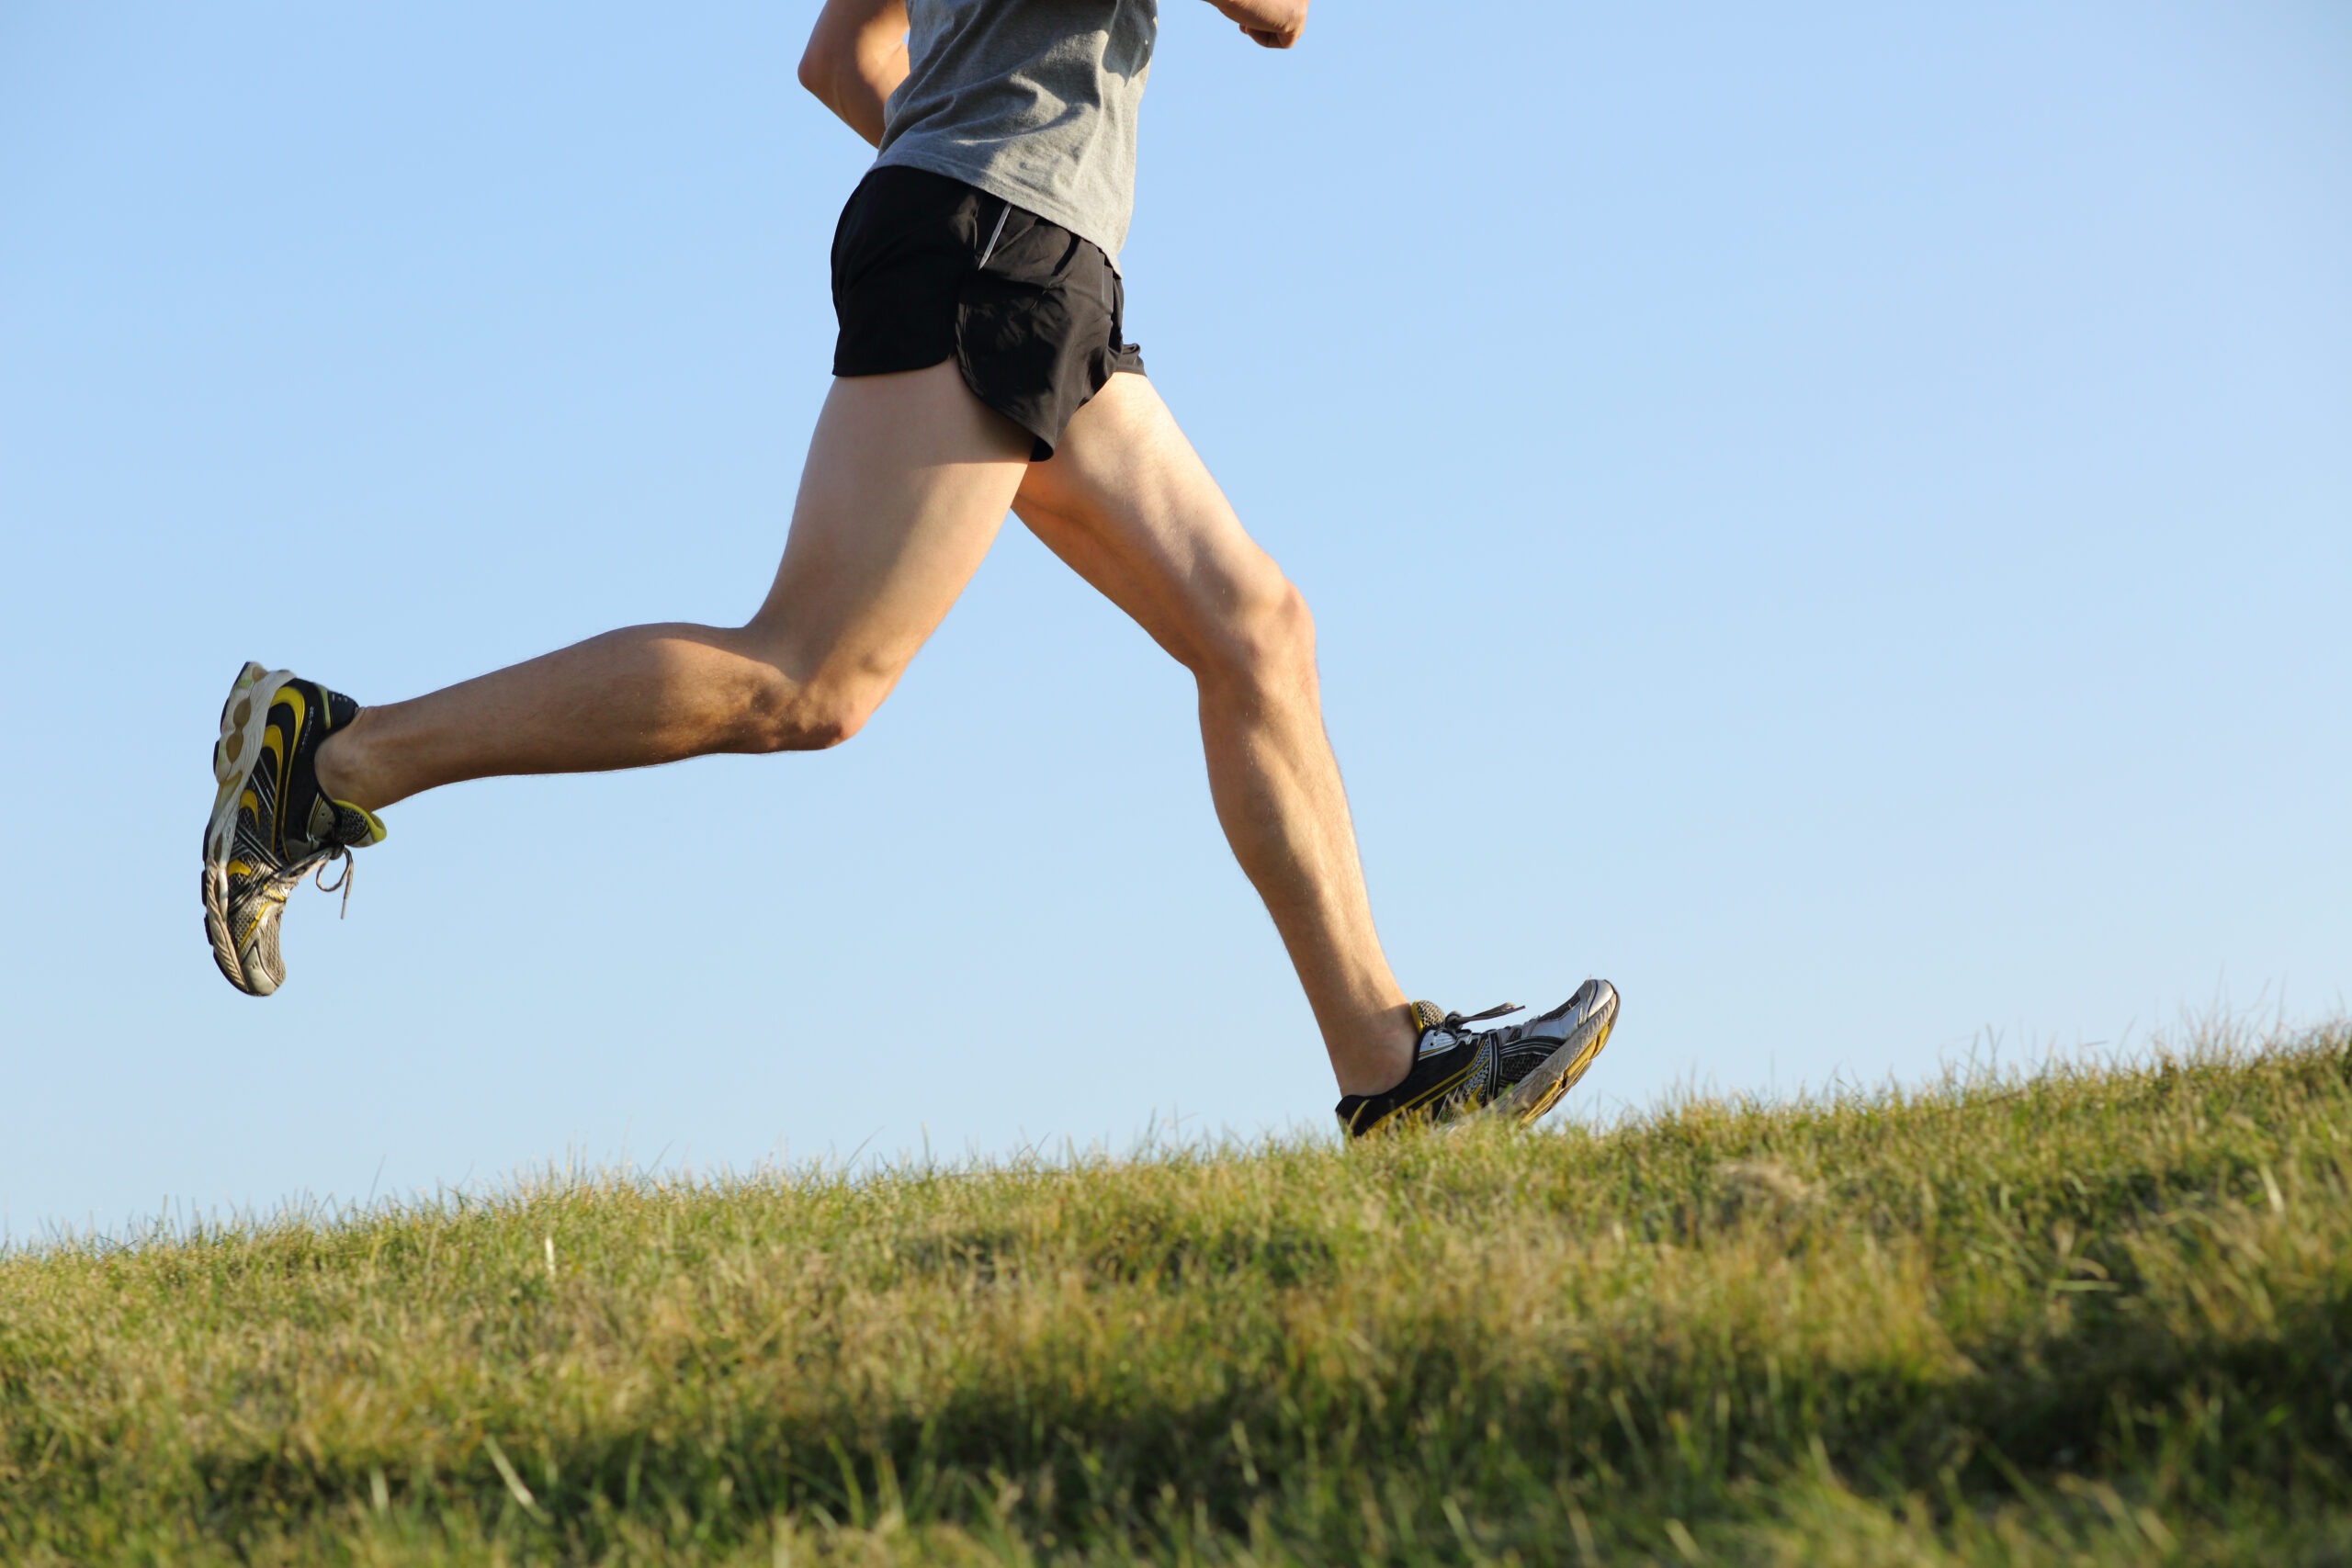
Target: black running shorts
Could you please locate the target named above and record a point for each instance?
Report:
(927, 268)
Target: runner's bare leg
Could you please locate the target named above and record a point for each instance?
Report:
(909, 479)
(1130, 506)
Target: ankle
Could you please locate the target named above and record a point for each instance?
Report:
(1382, 1055)
(338, 764)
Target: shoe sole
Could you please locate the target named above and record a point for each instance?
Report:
(1540, 1090)
(243, 718)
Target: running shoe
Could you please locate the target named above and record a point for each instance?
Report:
(272, 826)
(1517, 1071)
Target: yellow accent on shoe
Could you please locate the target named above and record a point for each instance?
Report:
(292, 695)
(1436, 1092)
(376, 828)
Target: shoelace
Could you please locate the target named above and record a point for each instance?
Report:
(342, 853)
(1500, 1010)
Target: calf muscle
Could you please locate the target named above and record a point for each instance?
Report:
(1129, 506)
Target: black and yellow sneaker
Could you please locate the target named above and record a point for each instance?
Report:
(1518, 1071)
(272, 825)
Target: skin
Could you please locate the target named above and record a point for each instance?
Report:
(909, 477)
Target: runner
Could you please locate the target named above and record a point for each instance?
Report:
(980, 368)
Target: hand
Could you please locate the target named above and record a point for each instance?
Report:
(1269, 23)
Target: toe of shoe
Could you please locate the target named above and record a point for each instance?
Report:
(260, 962)
(259, 981)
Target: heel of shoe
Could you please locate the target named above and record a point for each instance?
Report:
(235, 715)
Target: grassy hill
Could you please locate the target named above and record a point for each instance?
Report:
(2099, 1317)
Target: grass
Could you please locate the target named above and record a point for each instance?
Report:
(2102, 1315)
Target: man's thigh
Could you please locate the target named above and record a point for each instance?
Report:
(908, 478)
(1132, 509)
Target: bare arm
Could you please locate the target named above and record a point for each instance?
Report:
(856, 57)
(1276, 24)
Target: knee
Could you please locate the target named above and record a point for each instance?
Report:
(810, 718)
(820, 726)
(1265, 641)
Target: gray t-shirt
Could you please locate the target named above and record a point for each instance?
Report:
(1031, 100)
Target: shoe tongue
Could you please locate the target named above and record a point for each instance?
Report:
(1426, 1017)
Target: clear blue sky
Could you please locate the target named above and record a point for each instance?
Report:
(1837, 518)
